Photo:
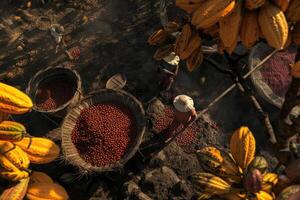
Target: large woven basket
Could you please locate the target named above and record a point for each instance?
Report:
(103, 96)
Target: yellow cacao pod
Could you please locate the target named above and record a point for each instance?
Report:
(210, 184)
(260, 163)
(11, 131)
(249, 32)
(288, 192)
(14, 154)
(16, 191)
(46, 191)
(15, 175)
(158, 37)
(195, 60)
(40, 177)
(295, 71)
(296, 34)
(282, 4)
(230, 26)
(39, 150)
(220, 163)
(292, 12)
(163, 51)
(211, 11)
(183, 39)
(13, 101)
(262, 195)
(230, 49)
(193, 44)
(270, 180)
(242, 146)
(273, 25)
(188, 6)
(254, 4)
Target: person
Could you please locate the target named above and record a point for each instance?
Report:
(184, 114)
(167, 77)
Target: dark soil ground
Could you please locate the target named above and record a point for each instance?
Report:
(112, 35)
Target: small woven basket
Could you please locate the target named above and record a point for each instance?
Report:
(102, 96)
(53, 72)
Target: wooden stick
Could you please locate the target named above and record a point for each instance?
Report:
(199, 114)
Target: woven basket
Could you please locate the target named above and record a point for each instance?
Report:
(263, 89)
(54, 72)
(103, 96)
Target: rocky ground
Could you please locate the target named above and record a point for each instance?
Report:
(111, 36)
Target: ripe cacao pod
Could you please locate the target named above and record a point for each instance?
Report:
(296, 34)
(17, 191)
(195, 60)
(40, 177)
(193, 44)
(270, 180)
(288, 192)
(13, 175)
(259, 163)
(253, 181)
(273, 25)
(292, 12)
(219, 162)
(14, 154)
(13, 101)
(188, 5)
(163, 51)
(230, 26)
(183, 39)
(211, 11)
(293, 171)
(254, 4)
(46, 191)
(158, 37)
(262, 195)
(242, 146)
(249, 32)
(39, 150)
(11, 131)
(211, 184)
(282, 4)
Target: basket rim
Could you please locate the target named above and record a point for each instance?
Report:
(63, 106)
(118, 164)
(256, 78)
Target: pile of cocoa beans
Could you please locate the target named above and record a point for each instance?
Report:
(103, 133)
(54, 92)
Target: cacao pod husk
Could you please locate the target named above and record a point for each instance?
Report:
(262, 195)
(11, 131)
(194, 60)
(270, 180)
(40, 177)
(171, 27)
(46, 191)
(183, 39)
(17, 191)
(193, 44)
(259, 163)
(158, 37)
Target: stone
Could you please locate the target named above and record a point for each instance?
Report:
(158, 183)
